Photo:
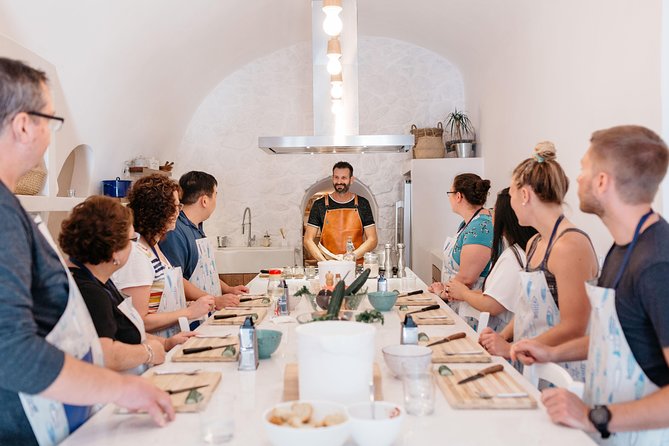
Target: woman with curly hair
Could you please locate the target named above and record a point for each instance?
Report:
(97, 238)
(156, 288)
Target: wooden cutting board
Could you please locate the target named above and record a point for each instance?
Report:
(440, 353)
(209, 355)
(239, 320)
(174, 382)
(424, 318)
(291, 385)
(417, 300)
(465, 396)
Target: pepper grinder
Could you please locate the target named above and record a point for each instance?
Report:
(248, 345)
(388, 263)
(400, 260)
(409, 331)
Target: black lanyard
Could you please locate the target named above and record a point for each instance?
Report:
(470, 220)
(628, 253)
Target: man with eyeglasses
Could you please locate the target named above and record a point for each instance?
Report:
(49, 373)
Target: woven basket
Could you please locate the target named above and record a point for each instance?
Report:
(428, 142)
(33, 181)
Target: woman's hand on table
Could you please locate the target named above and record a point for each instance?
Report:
(201, 307)
(455, 290)
(567, 409)
(177, 339)
(494, 343)
(139, 394)
(158, 348)
(438, 289)
(529, 351)
(227, 300)
(239, 289)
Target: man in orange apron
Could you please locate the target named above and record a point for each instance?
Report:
(340, 215)
(51, 352)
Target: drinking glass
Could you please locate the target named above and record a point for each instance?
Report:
(217, 422)
(418, 391)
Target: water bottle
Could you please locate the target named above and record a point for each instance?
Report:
(349, 256)
(382, 283)
(248, 346)
(283, 300)
(274, 289)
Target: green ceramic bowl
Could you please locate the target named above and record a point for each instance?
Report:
(382, 300)
(268, 342)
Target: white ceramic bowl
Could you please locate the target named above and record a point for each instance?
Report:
(399, 356)
(382, 430)
(309, 436)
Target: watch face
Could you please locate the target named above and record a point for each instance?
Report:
(600, 415)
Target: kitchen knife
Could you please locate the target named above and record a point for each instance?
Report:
(190, 351)
(231, 316)
(450, 338)
(186, 389)
(249, 299)
(410, 293)
(428, 308)
(482, 373)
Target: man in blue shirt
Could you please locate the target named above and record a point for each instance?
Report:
(187, 245)
(46, 385)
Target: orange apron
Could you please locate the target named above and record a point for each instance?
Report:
(340, 224)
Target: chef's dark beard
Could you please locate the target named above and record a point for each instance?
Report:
(344, 188)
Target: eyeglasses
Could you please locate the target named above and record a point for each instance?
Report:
(135, 237)
(56, 122)
(451, 192)
(180, 207)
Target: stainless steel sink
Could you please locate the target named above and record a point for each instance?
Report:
(242, 259)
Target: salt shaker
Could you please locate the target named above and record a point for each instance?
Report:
(248, 345)
(409, 331)
(388, 263)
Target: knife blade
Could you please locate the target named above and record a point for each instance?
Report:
(482, 373)
(191, 350)
(450, 338)
(428, 308)
(249, 299)
(410, 293)
(185, 389)
(231, 316)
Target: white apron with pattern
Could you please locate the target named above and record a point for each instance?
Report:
(74, 334)
(128, 309)
(537, 313)
(613, 374)
(450, 269)
(172, 299)
(205, 274)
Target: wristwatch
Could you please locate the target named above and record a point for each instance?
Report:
(600, 416)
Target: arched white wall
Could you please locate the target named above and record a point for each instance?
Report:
(399, 84)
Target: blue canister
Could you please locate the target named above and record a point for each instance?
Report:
(117, 188)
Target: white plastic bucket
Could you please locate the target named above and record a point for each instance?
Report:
(335, 360)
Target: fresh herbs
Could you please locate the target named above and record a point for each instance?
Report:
(302, 291)
(370, 316)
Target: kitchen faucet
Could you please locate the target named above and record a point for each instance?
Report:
(249, 240)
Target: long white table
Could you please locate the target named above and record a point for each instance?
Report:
(258, 390)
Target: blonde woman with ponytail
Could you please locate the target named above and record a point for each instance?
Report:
(554, 306)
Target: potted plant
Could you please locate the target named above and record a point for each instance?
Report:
(461, 136)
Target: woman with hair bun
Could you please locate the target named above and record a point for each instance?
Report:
(554, 306)
(467, 254)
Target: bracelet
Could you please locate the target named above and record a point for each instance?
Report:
(149, 352)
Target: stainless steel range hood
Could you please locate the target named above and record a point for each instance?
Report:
(335, 133)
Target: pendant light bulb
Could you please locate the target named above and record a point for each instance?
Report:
(337, 106)
(337, 90)
(334, 66)
(332, 25)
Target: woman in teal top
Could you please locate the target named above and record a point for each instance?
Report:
(466, 256)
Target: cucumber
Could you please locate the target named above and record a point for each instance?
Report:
(336, 300)
(358, 283)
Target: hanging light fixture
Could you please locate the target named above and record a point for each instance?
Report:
(336, 86)
(334, 56)
(332, 25)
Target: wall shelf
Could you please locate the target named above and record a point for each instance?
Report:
(41, 203)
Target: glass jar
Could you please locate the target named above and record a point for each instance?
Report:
(274, 288)
(371, 261)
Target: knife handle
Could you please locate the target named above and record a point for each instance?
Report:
(493, 369)
(430, 308)
(413, 293)
(459, 335)
(245, 299)
(190, 351)
(224, 316)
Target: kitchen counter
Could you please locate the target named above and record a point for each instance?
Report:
(256, 391)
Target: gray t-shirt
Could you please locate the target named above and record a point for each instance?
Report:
(642, 299)
(33, 294)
